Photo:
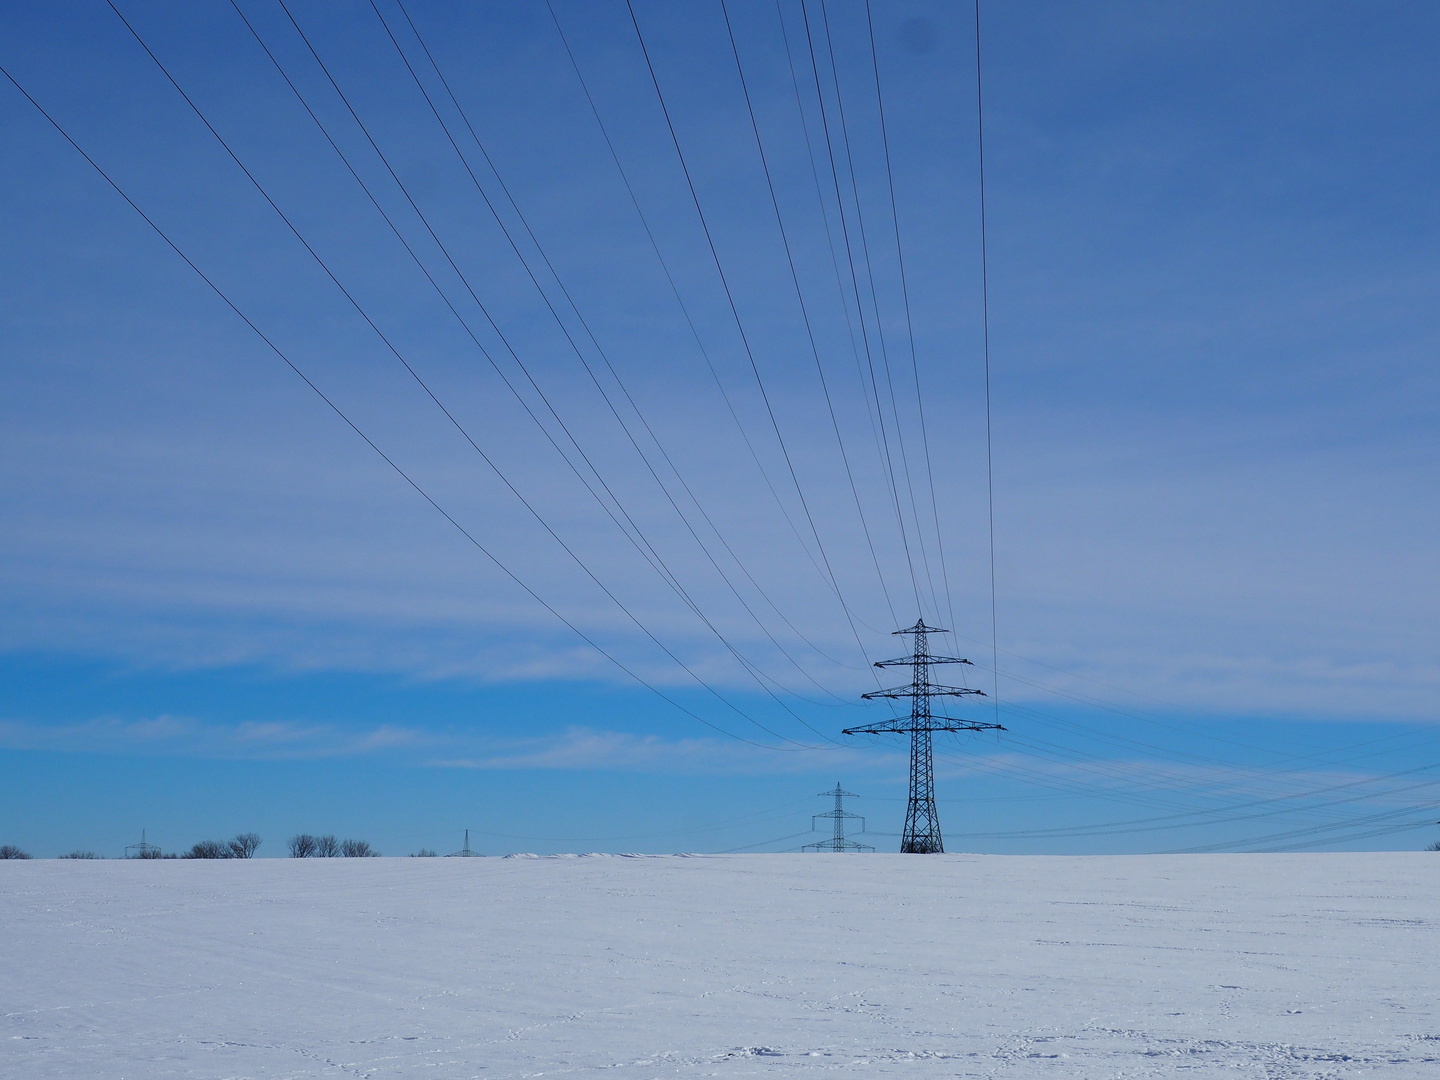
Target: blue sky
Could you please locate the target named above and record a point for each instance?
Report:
(1212, 234)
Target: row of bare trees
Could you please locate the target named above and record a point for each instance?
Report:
(306, 846)
(242, 846)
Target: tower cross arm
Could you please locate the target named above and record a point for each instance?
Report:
(950, 723)
(930, 689)
(936, 690)
(898, 725)
(904, 725)
(907, 661)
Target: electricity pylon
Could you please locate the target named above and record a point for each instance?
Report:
(922, 822)
(837, 842)
(143, 850)
(465, 852)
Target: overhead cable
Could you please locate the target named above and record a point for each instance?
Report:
(804, 310)
(985, 319)
(430, 393)
(909, 322)
(695, 334)
(845, 142)
(886, 460)
(685, 520)
(739, 325)
(470, 537)
(654, 558)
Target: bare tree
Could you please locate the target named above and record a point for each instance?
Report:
(80, 855)
(357, 849)
(210, 849)
(302, 846)
(327, 847)
(150, 851)
(425, 853)
(1434, 847)
(244, 845)
(10, 851)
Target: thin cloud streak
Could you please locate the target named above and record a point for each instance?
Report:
(180, 736)
(575, 748)
(587, 748)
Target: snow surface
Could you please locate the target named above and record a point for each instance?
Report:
(1270, 966)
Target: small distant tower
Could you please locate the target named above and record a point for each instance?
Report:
(837, 842)
(465, 852)
(142, 850)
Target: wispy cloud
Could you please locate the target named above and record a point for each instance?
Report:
(188, 737)
(575, 748)
(588, 748)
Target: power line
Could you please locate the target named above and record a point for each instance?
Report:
(1124, 742)
(1109, 769)
(699, 342)
(1384, 820)
(649, 556)
(369, 442)
(875, 303)
(886, 462)
(654, 558)
(424, 386)
(985, 314)
(1178, 755)
(1048, 780)
(870, 409)
(647, 551)
(763, 843)
(800, 297)
(909, 323)
(739, 325)
(752, 669)
(1388, 830)
(1091, 792)
(599, 349)
(1188, 818)
(1172, 725)
(1169, 822)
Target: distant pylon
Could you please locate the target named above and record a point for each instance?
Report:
(837, 842)
(465, 852)
(142, 850)
(922, 822)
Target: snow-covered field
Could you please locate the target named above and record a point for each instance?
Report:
(1229, 965)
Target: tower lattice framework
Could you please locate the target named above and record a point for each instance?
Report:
(922, 821)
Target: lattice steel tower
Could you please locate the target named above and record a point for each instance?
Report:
(839, 815)
(922, 822)
(465, 852)
(143, 850)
